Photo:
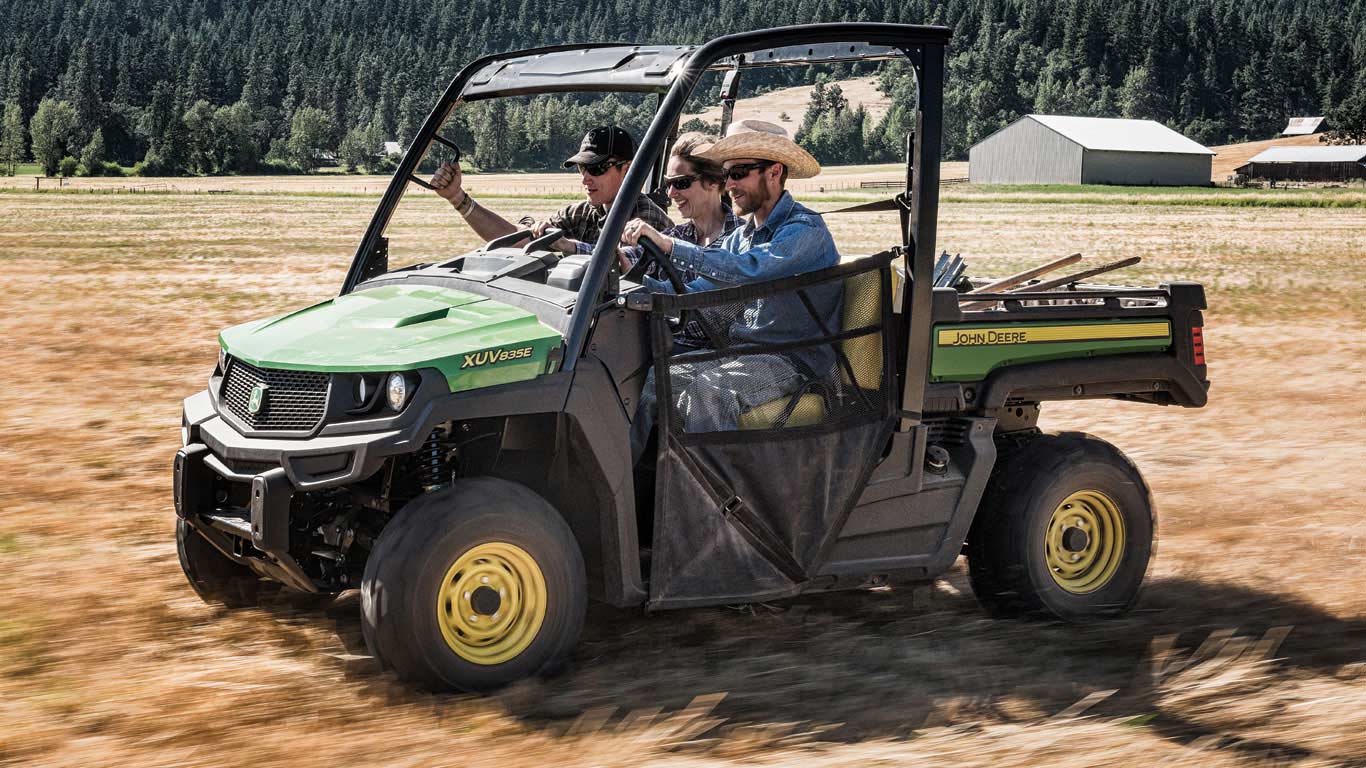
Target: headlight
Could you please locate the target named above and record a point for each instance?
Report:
(222, 359)
(398, 390)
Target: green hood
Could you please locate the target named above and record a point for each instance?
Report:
(474, 341)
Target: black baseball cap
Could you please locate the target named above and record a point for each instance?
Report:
(603, 143)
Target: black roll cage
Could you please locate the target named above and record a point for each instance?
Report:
(806, 44)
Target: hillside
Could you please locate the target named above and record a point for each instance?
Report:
(1231, 156)
(223, 88)
(793, 101)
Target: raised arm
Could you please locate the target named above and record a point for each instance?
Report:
(448, 184)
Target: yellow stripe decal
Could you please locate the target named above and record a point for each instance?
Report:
(978, 337)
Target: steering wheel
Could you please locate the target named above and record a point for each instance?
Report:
(547, 238)
(551, 258)
(652, 252)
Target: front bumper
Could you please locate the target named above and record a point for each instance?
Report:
(236, 489)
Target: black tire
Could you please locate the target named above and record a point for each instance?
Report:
(405, 573)
(1008, 549)
(215, 578)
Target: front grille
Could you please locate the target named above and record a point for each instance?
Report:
(294, 400)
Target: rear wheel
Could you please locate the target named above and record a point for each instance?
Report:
(215, 578)
(1066, 528)
(473, 587)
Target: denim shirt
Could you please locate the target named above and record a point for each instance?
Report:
(791, 241)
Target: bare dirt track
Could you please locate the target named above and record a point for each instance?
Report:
(1248, 649)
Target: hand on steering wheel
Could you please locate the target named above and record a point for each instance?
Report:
(650, 252)
(653, 252)
(636, 231)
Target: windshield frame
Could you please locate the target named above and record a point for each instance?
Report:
(922, 46)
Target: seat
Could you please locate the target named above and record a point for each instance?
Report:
(862, 308)
(810, 410)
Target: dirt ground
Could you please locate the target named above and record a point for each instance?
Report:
(1249, 647)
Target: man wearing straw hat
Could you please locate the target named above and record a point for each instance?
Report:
(782, 238)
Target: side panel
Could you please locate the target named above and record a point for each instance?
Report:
(1158, 169)
(914, 525)
(1025, 152)
(592, 485)
(970, 351)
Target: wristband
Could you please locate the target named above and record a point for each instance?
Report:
(466, 205)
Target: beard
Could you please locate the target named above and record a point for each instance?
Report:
(752, 201)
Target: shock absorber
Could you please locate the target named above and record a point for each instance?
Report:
(433, 470)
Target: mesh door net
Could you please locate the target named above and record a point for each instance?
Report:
(768, 430)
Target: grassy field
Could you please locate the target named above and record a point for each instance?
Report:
(1249, 647)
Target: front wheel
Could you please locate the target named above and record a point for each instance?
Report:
(474, 586)
(1066, 528)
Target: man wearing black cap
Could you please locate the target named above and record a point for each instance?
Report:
(602, 160)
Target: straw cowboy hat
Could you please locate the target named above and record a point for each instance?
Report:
(763, 140)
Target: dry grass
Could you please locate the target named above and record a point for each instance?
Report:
(484, 184)
(106, 657)
(793, 102)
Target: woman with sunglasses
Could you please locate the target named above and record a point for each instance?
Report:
(695, 184)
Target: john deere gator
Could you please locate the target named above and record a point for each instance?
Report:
(450, 437)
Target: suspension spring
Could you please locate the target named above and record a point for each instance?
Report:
(433, 470)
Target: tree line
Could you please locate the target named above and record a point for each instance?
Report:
(250, 86)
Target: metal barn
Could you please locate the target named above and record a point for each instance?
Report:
(1340, 163)
(1305, 126)
(1053, 149)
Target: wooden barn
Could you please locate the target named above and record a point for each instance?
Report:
(1320, 163)
(1054, 149)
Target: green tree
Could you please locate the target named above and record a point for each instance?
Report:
(92, 157)
(50, 130)
(1347, 123)
(1261, 109)
(310, 133)
(1137, 97)
(12, 138)
(356, 150)
(236, 129)
(201, 137)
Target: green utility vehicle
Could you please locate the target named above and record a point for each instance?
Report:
(451, 437)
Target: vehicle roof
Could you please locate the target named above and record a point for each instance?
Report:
(653, 68)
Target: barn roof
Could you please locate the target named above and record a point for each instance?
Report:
(1350, 153)
(1303, 126)
(1115, 135)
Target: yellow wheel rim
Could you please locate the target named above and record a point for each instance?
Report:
(1085, 542)
(491, 603)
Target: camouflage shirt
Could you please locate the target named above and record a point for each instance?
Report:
(583, 221)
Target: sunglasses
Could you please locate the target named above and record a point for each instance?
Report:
(598, 169)
(741, 170)
(680, 183)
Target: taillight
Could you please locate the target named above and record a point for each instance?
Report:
(1198, 344)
